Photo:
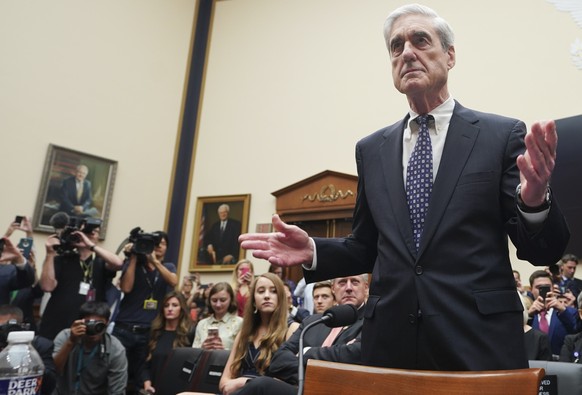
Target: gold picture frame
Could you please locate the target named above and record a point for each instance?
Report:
(213, 248)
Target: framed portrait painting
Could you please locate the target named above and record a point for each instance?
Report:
(219, 222)
(76, 183)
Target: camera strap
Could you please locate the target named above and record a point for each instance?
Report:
(81, 366)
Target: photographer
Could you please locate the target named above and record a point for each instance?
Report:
(548, 313)
(75, 270)
(15, 271)
(89, 360)
(145, 280)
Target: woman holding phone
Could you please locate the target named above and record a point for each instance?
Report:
(218, 331)
(242, 276)
(263, 331)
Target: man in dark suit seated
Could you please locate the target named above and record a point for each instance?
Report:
(568, 265)
(76, 196)
(222, 239)
(320, 342)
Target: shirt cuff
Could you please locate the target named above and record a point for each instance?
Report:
(313, 265)
(534, 219)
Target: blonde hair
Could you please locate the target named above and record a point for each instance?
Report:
(234, 280)
(275, 335)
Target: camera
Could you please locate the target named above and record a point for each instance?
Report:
(2, 242)
(143, 243)
(68, 239)
(94, 327)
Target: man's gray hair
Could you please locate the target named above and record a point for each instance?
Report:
(442, 27)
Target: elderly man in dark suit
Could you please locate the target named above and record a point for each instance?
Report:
(222, 238)
(437, 198)
(76, 196)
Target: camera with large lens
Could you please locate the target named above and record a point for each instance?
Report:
(94, 327)
(143, 243)
(68, 239)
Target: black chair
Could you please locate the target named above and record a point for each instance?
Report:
(191, 369)
(562, 378)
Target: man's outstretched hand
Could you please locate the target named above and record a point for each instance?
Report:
(287, 245)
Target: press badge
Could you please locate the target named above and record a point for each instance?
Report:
(150, 304)
(84, 288)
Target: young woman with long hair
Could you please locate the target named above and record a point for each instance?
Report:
(263, 331)
(218, 331)
(170, 329)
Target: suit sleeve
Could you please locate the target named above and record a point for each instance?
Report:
(542, 246)
(343, 353)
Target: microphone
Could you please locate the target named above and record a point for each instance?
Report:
(341, 315)
(59, 220)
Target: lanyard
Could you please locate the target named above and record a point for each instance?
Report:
(87, 268)
(147, 278)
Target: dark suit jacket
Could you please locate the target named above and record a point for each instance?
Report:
(227, 243)
(69, 195)
(453, 305)
(560, 325)
(285, 362)
(572, 349)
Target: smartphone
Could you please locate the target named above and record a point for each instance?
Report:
(544, 289)
(25, 244)
(245, 270)
(212, 332)
(19, 219)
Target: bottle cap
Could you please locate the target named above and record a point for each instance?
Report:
(20, 336)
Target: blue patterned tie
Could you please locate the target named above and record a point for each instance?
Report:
(419, 179)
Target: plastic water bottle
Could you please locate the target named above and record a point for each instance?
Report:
(21, 367)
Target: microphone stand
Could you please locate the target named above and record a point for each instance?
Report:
(301, 368)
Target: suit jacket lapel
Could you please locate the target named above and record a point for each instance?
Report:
(459, 143)
(392, 167)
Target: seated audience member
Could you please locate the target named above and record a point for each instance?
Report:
(262, 333)
(171, 328)
(572, 348)
(279, 271)
(567, 266)
(88, 360)
(74, 274)
(296, 314)
(548, 313)
(218, 331)
(242, 275)
(11, 320)
(537, 343)
(323, 297)
(303, 294)
(320, 342)
(189, 290)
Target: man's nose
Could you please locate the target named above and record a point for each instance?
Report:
(408, 52)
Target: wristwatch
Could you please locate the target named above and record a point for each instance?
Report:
(526, 209)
